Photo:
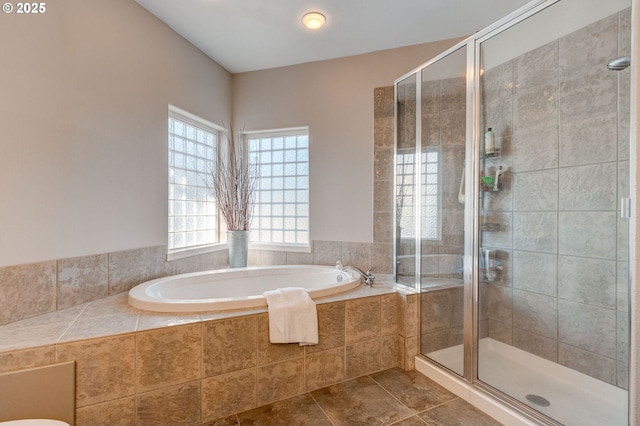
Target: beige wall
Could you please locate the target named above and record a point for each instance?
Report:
(335, 99)
(84, 90)
(84, 93)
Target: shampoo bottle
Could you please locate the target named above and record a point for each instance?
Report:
(489, 142)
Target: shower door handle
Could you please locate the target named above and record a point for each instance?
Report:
(625, 208)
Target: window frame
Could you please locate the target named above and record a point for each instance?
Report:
(219, 131)
(271, 133)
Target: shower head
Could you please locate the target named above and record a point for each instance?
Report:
(619, 64)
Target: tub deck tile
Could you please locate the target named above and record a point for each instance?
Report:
(216, 315)
(42, 330)
(105, 317)
(152, 320)
(112, 316)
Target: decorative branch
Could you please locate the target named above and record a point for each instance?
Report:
(233, 186)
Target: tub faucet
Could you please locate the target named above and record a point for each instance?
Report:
(367, 276)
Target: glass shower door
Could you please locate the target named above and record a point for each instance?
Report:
(554, 148)
(443, 109)
(405, 183)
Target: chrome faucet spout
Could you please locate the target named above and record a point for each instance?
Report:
(368, 277)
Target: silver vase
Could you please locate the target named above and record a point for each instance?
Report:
(238, 242)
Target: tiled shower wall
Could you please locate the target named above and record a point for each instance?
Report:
(561, 119)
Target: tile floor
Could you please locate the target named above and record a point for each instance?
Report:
(390, 397)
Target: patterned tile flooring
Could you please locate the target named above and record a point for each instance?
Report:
(390, 397)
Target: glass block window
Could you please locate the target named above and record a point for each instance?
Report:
(281, 212)
(431, 194)
(193, 216)
(430, 197)
(405, 191)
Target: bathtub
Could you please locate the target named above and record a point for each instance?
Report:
(239, 288)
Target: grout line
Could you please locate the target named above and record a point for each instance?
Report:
(202, 375)
(256, 328)
(321, 409)
(410, 417)
(437, 406)
(414, 412)
(75, 320)
(136, 336)
(109, 273)
(137, 326)
(556, 338)
(57, 296)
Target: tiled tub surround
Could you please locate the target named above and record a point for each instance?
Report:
(556, 111)
(136, 367)
(38, 288)
(383, 193)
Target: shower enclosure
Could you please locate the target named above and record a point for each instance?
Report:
(511, 186)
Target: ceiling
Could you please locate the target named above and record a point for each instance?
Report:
(250, 35)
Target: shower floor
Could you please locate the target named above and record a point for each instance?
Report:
(574, 398)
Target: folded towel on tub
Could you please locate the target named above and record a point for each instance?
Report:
(292, 316)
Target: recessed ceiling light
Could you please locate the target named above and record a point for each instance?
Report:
(313, 20)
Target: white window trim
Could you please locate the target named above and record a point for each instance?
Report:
(194, 119)
(289, 131)
(194, 251)
(274, 132)
(297, 248)
(182, 253)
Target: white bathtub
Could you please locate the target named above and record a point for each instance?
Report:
(236, 288)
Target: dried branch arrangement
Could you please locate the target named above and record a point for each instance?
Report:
(233, 185)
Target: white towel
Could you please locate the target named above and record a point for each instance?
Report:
(292, 316)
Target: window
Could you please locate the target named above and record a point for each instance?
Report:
(430, 197)
(281, 212)
(430, 194)
(405, 188)
(193, 216)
